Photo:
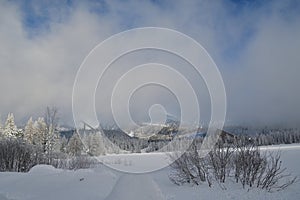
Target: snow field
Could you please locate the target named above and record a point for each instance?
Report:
(47, 183)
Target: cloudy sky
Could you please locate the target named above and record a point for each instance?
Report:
(255, 44)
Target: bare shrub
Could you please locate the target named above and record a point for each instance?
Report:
(74, 163)
(81, 162)
(220, 159)
(275, 177)
(189, 168)
(59, 160)
(241, 160)
(249, 164)
(265, 171)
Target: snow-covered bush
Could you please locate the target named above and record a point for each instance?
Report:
(74, 163)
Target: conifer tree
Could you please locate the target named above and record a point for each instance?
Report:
(10, 129)
(40, 133)
(30, 131)
(75, 145)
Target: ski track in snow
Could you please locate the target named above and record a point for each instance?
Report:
(280, 147)
(136, 186)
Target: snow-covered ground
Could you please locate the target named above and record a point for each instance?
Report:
(46, 183)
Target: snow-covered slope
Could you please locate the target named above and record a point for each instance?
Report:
(46, 183)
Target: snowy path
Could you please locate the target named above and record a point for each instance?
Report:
(281, 147)
(136, 186)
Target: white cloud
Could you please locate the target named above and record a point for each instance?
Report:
(261, 78)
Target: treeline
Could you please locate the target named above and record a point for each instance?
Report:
(41, 143)
(278, 136)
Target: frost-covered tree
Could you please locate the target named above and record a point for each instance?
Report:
(94, 144)
(49, 140)
(20, 133)
(87, 140)
(52, 136)
(97, 147)
(75, 145)
(42, 136)
(63, 145)
(40, 133)
(10, 129)
(30, 131)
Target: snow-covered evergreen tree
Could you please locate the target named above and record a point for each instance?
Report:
(97, 146)
(75, 145)
(30, 131)
(94, 144)
(10, 129)
(20, 133)
(51, 136)
(40, 133)
(50, 139)
(63, 145)
(87, 141)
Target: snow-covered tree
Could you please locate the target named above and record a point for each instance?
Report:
(52, 136)
(20, 133)
(87, 141)
(44, 138)
(94, 144)
(63, 145)
(40, 133)
(30, 131)
(10, 129)
(75, 145)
